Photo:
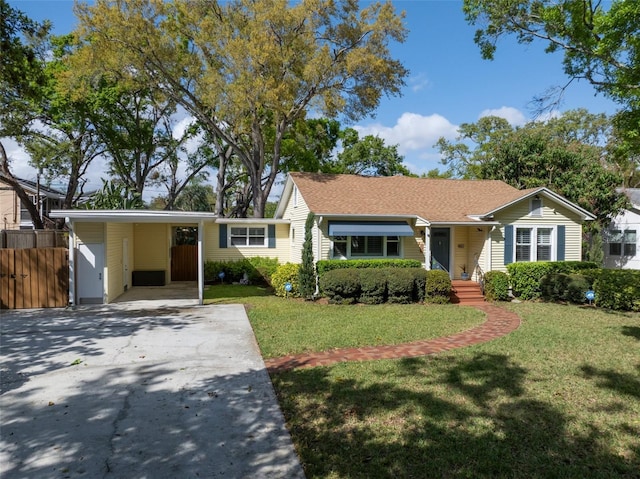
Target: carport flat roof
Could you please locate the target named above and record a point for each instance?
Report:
(154, 216)
(138, 216)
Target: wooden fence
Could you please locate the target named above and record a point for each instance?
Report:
(19, 239)
(34, 278)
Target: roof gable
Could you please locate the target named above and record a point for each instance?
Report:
(436, 200)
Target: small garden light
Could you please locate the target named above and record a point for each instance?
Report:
(590, 295)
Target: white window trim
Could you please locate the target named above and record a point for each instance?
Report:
(533, 253)
(247, 227)
(384, 250)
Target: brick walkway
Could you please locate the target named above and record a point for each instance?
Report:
(500, 322)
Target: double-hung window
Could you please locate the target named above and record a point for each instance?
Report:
(534, 244)
(248, 236)
(622, 243)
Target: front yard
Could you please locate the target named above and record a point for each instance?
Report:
(559, 397)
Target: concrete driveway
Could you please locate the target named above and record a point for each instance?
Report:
(138, 390)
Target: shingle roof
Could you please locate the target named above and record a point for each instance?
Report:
(436, 200)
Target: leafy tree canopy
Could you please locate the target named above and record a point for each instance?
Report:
(247, 70)
(565, 154)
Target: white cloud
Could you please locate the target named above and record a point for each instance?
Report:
(514, 116)
(412, 131)
(18, 160)
(418, 82)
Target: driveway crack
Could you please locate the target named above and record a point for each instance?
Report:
(123, 413)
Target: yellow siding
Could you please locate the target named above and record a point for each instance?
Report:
(478, 254)
(152, 248)
(88, 233)
(468, 249)
(115, 233)
(553, 214)
(297, 214)
(213, 252)
(9, 208)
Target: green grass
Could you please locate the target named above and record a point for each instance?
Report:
(560, 397)
(289, 326)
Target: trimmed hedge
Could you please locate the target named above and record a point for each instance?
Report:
(437, 287)
(496, 286)
(525, 277)
(565, 287)
(400, 286)
(259, 270)
(286, 273)
(618, 289)
(325, 265)
(373, 285)
(341, 286)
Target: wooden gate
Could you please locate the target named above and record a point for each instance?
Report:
(34, 278)
(184, 262)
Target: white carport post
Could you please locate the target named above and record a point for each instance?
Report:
(72, 261)
(200, 262)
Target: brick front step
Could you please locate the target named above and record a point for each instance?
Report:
(466, 293)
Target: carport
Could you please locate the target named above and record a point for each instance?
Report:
(111, 251)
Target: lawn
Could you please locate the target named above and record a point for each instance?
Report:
(559, 397)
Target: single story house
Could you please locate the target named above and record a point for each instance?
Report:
(620, 239)
(454, 225)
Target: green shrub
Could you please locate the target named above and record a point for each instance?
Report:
(258, 270)
(553, 286)
(400, 285)
(420, 283)
(496, 286)
(564, 287)
(262, 269)
(286, 273)
(618, 289)
(526, 277)
(437, 287)
(307, 273)
(341, 286)
(576, 288)
(373, 285)
(325, 265)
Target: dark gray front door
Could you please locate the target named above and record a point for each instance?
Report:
(440, 239)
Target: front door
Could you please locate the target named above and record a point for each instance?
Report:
(90, 261)
(440, 245)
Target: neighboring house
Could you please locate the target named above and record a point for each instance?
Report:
(447, 224)
(620, 239)
(14, 215)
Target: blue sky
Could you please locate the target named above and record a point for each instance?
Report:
(449, 83)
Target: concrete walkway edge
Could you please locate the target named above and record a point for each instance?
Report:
(499, 322)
